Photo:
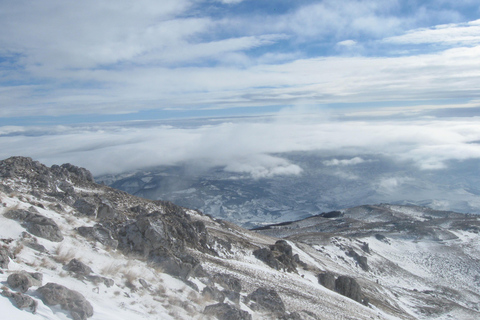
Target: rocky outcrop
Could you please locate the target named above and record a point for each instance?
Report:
(40, 176)
(37, 224)
(21, 281)
(21, 301)
(279, 256)
(163, 238)
(54, 294)
(223, 311)
(349, 287)
(99, 233)
(266, 300)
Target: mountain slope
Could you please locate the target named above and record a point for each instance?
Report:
(132, 258)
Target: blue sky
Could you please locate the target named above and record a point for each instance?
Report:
(101, 83)
(70, 61)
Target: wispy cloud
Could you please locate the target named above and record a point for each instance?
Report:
(97, 58)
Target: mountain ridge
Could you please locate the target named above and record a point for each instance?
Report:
(153, 259)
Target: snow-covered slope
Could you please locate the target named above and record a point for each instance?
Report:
(140, 259)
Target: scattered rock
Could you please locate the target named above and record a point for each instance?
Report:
(21, 300)
(37, 224)
(54, 294)
(266, 300)
(225, 311)
(78, 267)
(21, 281)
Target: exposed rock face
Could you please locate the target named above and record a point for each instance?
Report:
(21, 281)
(4, 257)
(349, 287)
(100, 234)
(327, 280)
(72, 301)
(78, 267)
(40, 175)
(37, 224)
(266, 300)
(225, 311)
(279, 256)
(21, 300)
(163, 238)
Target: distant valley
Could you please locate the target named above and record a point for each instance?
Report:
(325, 184)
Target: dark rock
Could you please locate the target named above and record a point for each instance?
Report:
(21, 281)
(85, 207)
(100, 234)
(78, 267)
(327, 280)
(266, 255)
(365, 247)
(4, 257)
(349, 287)
(213, 294)
(54, 294)
(266, 300)
(279, 256)
(229, 282)
(381, 237)
(283, 247)
(225, 311)
(21, 300)
(361, 260)
(35, 245)
(37, 224)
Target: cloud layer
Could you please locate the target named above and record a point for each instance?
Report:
(255, 147)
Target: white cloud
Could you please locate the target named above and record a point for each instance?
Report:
(463, 34)
(347, 43)
(344, 162)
